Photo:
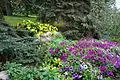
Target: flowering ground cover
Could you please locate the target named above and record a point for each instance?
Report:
(88, 59)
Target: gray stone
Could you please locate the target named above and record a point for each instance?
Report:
(4, 75)
(46, 37)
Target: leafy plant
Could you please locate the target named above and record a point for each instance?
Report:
(37, 28)
(20, 72)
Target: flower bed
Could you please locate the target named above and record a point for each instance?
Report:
(88, 59)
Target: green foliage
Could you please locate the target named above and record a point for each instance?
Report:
(58, 36)
(38, 28)
(19, 72)
(116, 39)
(23, 49)
(50, 61)
(105, 17)
(114, 24)
(1, 16)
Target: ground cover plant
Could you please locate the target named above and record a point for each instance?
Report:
(20, 72)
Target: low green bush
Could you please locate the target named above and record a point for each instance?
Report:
(20, 72)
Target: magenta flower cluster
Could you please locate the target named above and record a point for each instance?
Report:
(102, 54)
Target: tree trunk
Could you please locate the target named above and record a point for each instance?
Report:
(8, 7)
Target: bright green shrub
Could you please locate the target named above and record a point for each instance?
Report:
(37, 28)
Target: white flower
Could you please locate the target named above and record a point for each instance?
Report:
(66, 73)
(82, 66)
(80, 76)
(85, 66)
(60, 63)
(101, 77)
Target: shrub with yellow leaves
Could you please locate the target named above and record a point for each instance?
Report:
(38, 28)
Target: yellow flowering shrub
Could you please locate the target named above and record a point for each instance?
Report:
(38, 28)
(52, 62)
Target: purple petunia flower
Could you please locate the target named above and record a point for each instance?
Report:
(87, 57)
(75, 76)
(72, 71)
(102, 68)
(63, 43)
(110, 73)
(56, 50)
(103, 60)
(50, 50)
(75, 53)
(63, 57)
(60, 69)
(66, 68)
(75, 60)
(91, 52)
(71, 68)
(81, 55)
(99, 52)
(117, 63)
(80, 70)
(71, 48)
